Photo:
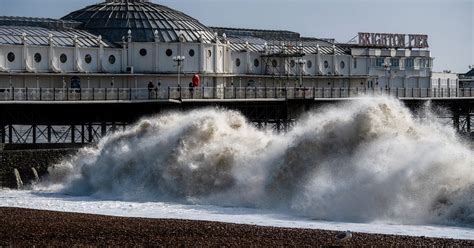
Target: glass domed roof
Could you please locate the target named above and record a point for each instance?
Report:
(114, 18)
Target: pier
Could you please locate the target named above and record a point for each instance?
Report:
(83, 116)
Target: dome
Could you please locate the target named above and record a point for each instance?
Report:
(113, 19)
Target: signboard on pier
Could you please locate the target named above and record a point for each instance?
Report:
(385, 40)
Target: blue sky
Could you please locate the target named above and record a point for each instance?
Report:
(449, 23)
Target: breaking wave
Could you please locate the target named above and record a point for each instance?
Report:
(369, 160)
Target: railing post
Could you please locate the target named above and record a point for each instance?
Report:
(13, 93)
(67, 94)
(41, 97)
(26, 94)
(118, 94)
(105, 94)
(80, 94)
(130, 94)
(54, 94)
(169, 93)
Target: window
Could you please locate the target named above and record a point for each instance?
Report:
(292, 63)
(309, 64)
(409, 63)
(274, 63)
(355, 62)
(88, 58)
(326, 64)
(191, 53)
(209, 53)
(143, 52)
(112, 59)
(237, 62)
(256, 63)
(11, 57)
(342, 65)
(379, 62)
(169, 52)
(63, 58)
(37, 57)
(395, 62)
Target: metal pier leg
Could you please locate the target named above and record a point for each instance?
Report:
(2, 132)
(456, 122)
(103, 129)
(73, 134)
(89, 129)
(10, 133)
(49, 134)
(83, 134)
(34, 133)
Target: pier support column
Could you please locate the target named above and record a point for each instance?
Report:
(456, 122)
(2, 133)
(89, 130)
(103, 129)
(73, 134)
(49, 133)
(10, 133)
(33, 127)
(83, 134)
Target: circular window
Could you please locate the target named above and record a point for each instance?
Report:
(209, 53)
(256, 62)
(37, 57)
(112, 59)
(326, 64)
(309, 63)
(143, 52)
(292, 63)
(11, 57)
(342, 64)
(63, 58)
(237, 62)
(169, 52)
(88, 58)
(274, 63)
(191, 53)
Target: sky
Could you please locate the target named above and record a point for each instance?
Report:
(449, 23)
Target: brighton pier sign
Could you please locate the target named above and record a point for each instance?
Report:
(393, 40)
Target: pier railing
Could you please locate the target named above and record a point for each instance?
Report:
(179, 93)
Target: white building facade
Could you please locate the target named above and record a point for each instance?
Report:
(132, 43)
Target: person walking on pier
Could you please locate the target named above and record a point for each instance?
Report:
(150, 89)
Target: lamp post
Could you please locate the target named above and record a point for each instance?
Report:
(301, 63)
(179, 60)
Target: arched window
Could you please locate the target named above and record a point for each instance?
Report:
(309, 64)
(37, 57)
(237, 62)
(112, 59)
(326, 64)
(11, 57)
(88, 58)
(191, 53)
(342, 64)
(256, 63)
(63, 58)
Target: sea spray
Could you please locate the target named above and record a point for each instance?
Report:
(368, 160)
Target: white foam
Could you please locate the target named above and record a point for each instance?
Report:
(366, 161)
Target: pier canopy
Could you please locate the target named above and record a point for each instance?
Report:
(147, 21)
